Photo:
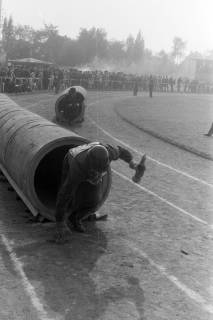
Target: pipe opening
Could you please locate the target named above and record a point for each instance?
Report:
(48, 176)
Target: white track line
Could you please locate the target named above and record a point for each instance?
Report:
(163, 200)
(156, 161)
(29, 289)
(187, 291)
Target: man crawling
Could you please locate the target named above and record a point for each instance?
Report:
(81, 183)
(71, 107)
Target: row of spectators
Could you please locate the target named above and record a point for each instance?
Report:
(27, 78)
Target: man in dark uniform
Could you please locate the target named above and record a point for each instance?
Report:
(210, 132)
(135, 88)
(69, 101)
(81, 187)
(151, 86)
(70, 104)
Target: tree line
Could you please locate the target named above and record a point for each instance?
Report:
(21, 41)
(47, 44)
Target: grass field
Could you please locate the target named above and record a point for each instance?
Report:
(179, 119)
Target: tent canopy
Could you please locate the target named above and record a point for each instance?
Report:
(30, 61)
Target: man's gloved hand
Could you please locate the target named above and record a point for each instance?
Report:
(139, 170)
(125, 154)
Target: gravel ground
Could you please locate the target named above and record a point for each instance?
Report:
(149, 261)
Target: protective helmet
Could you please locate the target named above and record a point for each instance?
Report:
(72, 90)
(98, 158)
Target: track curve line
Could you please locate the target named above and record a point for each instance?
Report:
(150, 158)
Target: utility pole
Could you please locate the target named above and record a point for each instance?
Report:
(0, 20)
(3, 56)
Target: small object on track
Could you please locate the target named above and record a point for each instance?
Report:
(184, 252)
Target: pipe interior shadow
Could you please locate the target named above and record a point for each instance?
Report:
(48, 176)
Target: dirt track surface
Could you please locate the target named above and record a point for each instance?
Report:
(151, 260)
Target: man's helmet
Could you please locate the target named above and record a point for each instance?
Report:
(98, 158)
(72, 90)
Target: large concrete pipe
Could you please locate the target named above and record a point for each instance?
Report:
(71, 113)
(31, 154)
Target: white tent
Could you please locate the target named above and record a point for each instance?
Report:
(30, 61)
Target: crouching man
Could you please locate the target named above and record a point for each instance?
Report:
(70, 107)
(81, 183)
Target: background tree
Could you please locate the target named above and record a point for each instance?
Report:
(22, 42)
(87, 44)
(178, 49)
(130, 43)
(69, 53)
(8, 36)
(51, 43)
(165, 63)
(92, 43)
(101, 43)
(138, 50)
(91, 46)
(116, 51)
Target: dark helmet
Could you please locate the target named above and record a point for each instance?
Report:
(72, 90)
(98, 158)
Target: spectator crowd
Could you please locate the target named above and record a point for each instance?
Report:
(17, 79)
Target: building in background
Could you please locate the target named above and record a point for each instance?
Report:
(204, 70)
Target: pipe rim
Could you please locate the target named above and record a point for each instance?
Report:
(47, 148)
(60, 142)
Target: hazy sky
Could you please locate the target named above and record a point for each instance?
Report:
(159, 20)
